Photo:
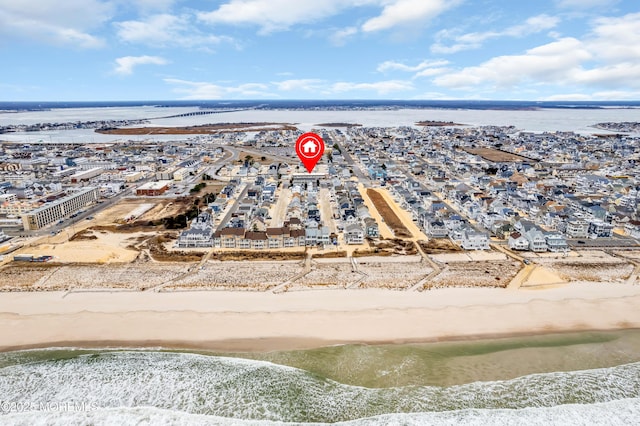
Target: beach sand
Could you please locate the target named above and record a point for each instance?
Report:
(256, 321)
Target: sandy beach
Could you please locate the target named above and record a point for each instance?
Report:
(254, 321)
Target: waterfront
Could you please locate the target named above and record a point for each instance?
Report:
(573, 377)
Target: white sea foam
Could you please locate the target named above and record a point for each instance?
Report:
(624, 412)
(258, 390)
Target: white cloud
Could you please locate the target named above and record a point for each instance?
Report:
(380, 87)
(398, 66)
(430, 72)
(610, 76)
(534, 24)
(277, 15)
(205, 90)
(402, 12)
(584, 4)
(155, 30)
(606, 60)
(617, 95)
(126, 64)
(613, 95)
(617, 39)
(307, 85)
(165, 30)
(340, 36)
(69, 22)
(553, 62)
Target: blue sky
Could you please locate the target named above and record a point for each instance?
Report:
(79, 50)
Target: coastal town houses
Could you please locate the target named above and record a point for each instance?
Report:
(354, 234)
(436, 228)
(272, 238)
(200, 233)
(371, 228)
(474, 240)
(518, 242)
(577, 228)
(556, 242)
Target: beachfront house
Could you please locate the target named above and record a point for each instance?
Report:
(371, 227)
(200, 234)
(354, 234)
(474, 240)
(600, 229)
(577, 228)
(518, 242)
(436, 228)
(537, 241)
(556, 242)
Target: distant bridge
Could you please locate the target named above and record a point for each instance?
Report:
(195, 113)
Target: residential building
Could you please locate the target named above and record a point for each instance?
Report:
(371, 227)
(537, 240)
(474, 240)
(354, 234)
(200, 234)
(556, 242)
(59, 209)
(600, 229)
(577, 228)
(518, 242)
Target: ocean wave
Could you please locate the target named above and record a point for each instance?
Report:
(257, 390)
(623, 412)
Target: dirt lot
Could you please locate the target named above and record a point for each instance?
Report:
(163, 207)
(388, 247)
(439, 246)
(496, 156)
(594, 272)
(391, 219)
(475, 274)
(258, 255)
(330, 255)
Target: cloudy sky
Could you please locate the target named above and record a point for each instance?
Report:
(319, 49)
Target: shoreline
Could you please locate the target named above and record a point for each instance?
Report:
(266, 345)
(259, 322)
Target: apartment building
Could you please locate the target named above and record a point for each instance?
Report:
(59, 209)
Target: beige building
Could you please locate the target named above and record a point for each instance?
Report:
(59, 209)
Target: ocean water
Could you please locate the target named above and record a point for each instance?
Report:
(121, 387)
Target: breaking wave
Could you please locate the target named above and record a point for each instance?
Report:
(131, 387)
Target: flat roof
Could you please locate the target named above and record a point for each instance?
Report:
(62, 200)
(155, 185)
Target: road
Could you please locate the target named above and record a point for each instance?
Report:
(348, 158)
(233, 207)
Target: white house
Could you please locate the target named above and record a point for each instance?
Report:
(474, 240)
(353, 234)
(518, 242)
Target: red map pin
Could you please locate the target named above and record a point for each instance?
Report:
(310, 148)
